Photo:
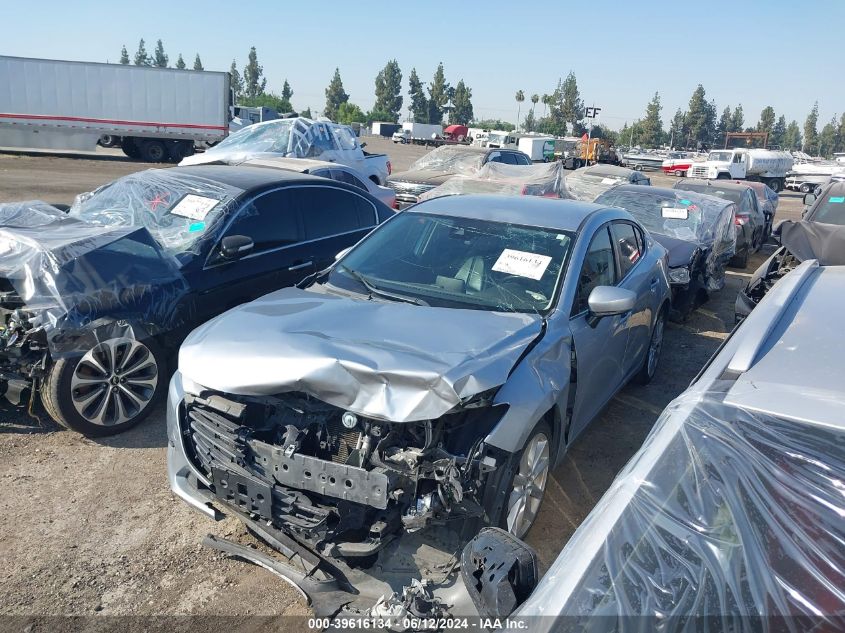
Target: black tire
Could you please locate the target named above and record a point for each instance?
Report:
(177, 150)
(805, 188)
(649, 366)
(500, 490)
(153, 151)
(108, 140)
(57, 394)
(776, 185)
(130, 148)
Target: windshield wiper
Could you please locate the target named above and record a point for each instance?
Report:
(378, 291)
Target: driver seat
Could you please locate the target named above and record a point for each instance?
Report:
(472, 274)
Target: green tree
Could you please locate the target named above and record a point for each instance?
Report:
(568, 107)
(840, 134)
(462, 104)
(547, 101)
(792, 137)
(236, 83)
(811, 135)
(335, 96)
(827, 138)
(350, 113)
(737, 119)
(767, 120)
(198, 63)
(160, 59)
(677, 129)
(438, 95)
(529, 123)
(778, 132)
(287, 93)
(389, 90)
(124, 55)
(306, 113)
(419, 104)
(267, 100)
(723, 127)
(652, 124)
(379, 115)
(535, 98)
(141, 56)
(697, 117)
(495, 124)
(520, 97)
(253, 76)
(180, 63)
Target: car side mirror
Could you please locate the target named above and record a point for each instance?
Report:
(342, 253)
(236, 246)
(809, 198)
(609, 301)
(364, 144)
(499, 572)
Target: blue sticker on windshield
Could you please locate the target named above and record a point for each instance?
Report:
(196, 226)
(837, 199)
(684, 201)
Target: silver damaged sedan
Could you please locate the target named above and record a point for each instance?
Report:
(430, 378)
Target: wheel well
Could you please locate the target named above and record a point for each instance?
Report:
(375, 179)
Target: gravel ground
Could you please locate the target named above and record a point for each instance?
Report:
(90, 527)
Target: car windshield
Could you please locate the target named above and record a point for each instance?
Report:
(458, 262)
(830, 210)
(272, 136)
(723, 157)
(176, 209)
(457, 160)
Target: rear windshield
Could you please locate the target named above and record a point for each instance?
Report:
(830, 210)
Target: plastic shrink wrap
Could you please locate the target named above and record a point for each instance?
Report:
(543, 179)
(725, 520)
(706, 221)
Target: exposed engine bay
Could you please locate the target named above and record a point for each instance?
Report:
(23, 346)
(781, 264)
(340, 484)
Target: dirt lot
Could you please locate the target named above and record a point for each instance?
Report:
(91, 526)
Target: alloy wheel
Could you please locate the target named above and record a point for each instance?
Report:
(114, 381)
(529, 484)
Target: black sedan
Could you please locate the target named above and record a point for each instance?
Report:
(92, 301)
(697, 230)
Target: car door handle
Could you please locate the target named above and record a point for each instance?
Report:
(300, 266)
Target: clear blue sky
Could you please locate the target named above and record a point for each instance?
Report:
(758, 52)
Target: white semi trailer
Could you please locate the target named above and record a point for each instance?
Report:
(157, 113)
(763, 165)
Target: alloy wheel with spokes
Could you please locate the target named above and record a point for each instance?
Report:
(529, 485)
(114, 382)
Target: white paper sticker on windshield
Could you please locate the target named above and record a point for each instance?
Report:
(675, 213)
(608, 181)
(521, 263)
(194, 207)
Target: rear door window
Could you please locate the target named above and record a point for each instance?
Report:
(627, 246)
(330, 211)
(341, 175)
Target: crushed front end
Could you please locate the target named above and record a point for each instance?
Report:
(23, 347)
(341, 485)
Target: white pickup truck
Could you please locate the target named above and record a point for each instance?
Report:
(763, 165)
(297, 138)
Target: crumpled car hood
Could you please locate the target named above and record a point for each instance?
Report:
(388, 361)
(680, 252)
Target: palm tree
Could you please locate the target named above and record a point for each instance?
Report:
(534, 99)
(520, 97)
(547, 101)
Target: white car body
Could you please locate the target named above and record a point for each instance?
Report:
(326, 169)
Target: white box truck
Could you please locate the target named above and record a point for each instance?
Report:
(419, 133)
(539, 148)
(764, 165)
(157, 113)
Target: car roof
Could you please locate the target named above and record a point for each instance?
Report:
(610, 170)
(798, 364)
(834, 187)
(563, 215)
(301, 165)
(725, 185)
(246, 178)
(694, 196)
